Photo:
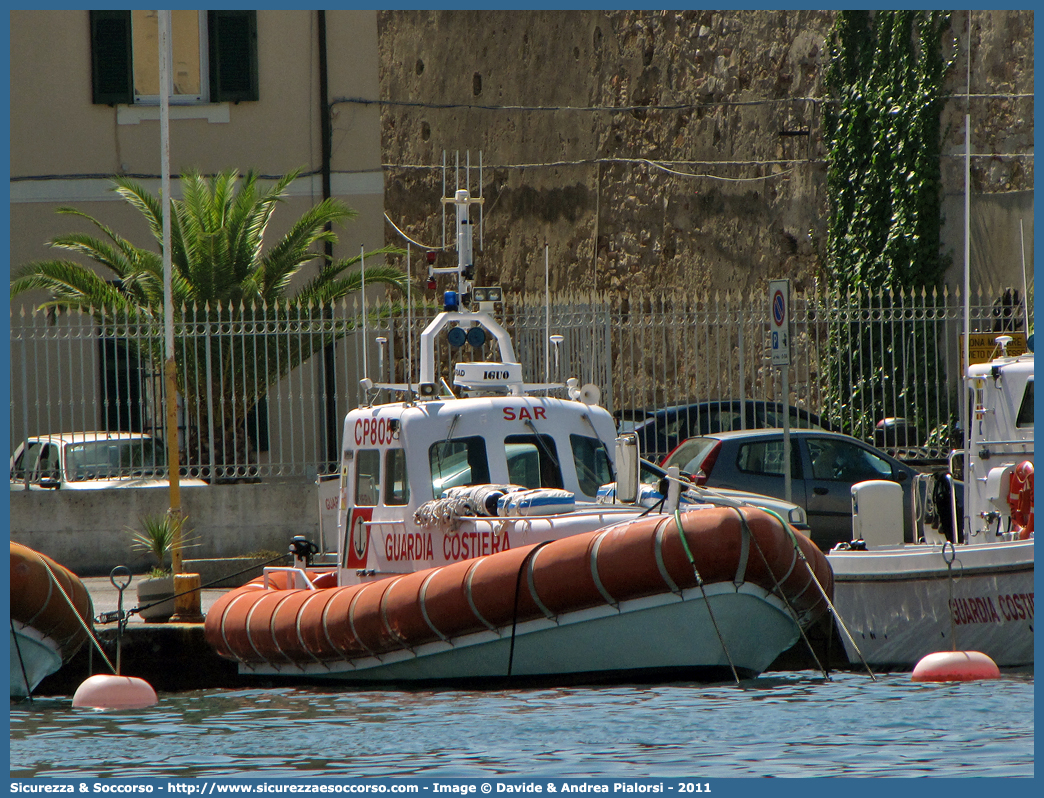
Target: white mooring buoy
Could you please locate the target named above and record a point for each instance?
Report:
(113, 691)
(955, 666)
(106, 691)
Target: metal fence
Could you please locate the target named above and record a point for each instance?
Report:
(263, 391)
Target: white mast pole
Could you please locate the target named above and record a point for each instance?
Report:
(362, 292)
(1025, 293)
(970, 421)
(409, 328)
(547, 316)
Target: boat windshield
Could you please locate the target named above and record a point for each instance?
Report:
(593, 467)
(1025, 417)
(532, 461)
(456, 462)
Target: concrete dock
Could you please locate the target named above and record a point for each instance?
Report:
(170, 656)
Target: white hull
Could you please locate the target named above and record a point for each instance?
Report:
(897, 602)
(37, 655)
(653, 636)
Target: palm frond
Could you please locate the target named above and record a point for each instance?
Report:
(70, 286)
(221, 268)
(323, 290)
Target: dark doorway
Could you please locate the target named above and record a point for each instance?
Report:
(122, 378)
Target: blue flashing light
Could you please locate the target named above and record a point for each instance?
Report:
(450, 301)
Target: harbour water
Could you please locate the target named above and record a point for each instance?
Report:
(793, 724)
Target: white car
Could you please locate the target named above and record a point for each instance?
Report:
(89, 461)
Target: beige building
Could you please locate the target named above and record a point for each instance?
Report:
(250, 89)
(66, 141)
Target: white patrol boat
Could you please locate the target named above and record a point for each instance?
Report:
(472, 545)
(971, 589)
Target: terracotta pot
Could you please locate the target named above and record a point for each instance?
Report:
(152, 590)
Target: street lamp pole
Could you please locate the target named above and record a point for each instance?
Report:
(171, 427)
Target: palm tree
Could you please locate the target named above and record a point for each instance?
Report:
(222, 277)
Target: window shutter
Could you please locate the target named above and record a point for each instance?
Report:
(111, 57)
(233, 55)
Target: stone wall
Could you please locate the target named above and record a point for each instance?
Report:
(728, 105)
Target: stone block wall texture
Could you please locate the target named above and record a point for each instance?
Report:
(727, 103)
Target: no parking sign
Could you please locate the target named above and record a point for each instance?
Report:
(779, 321)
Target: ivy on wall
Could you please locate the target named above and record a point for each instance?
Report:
(884, 185)
(886, 73)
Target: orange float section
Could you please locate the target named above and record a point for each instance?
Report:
(37, 601)
(635, 559)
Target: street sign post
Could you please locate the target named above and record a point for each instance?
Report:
(779, 321)
(779, 328)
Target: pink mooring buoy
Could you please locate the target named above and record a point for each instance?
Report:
(955, 666)
(105, 691)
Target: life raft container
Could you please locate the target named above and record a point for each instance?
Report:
(282, 625)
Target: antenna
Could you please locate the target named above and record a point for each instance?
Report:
(1025, 294)
(465, 268)
(444, 194)
(481, 208)
(969, 427)
(547, 317)
(362, 272)
(557, 341)
(382, 343)
(409, 326)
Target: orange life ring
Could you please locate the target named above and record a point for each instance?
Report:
(1020, 499)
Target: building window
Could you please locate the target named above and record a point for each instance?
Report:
(214, 56)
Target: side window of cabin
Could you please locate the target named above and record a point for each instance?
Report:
(592, 464)
(396, 486)
(461, 461)
(532, 461)
(346, 462)
(367, 477)
(49, 465)
(1025, 417)
(26, 462)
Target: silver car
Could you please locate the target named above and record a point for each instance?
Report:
(824, 466)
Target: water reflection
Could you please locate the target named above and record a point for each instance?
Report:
(789, 725)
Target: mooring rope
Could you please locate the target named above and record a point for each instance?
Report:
(779, 589)
(76, 612)
(25, 676)
(108, 617)
(822, 591)
(518, 585)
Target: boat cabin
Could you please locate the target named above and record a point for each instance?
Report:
(1000, 435)
(398, 457)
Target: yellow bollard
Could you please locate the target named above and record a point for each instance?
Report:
(187, 599)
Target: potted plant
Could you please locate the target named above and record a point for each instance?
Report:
(156, 536)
